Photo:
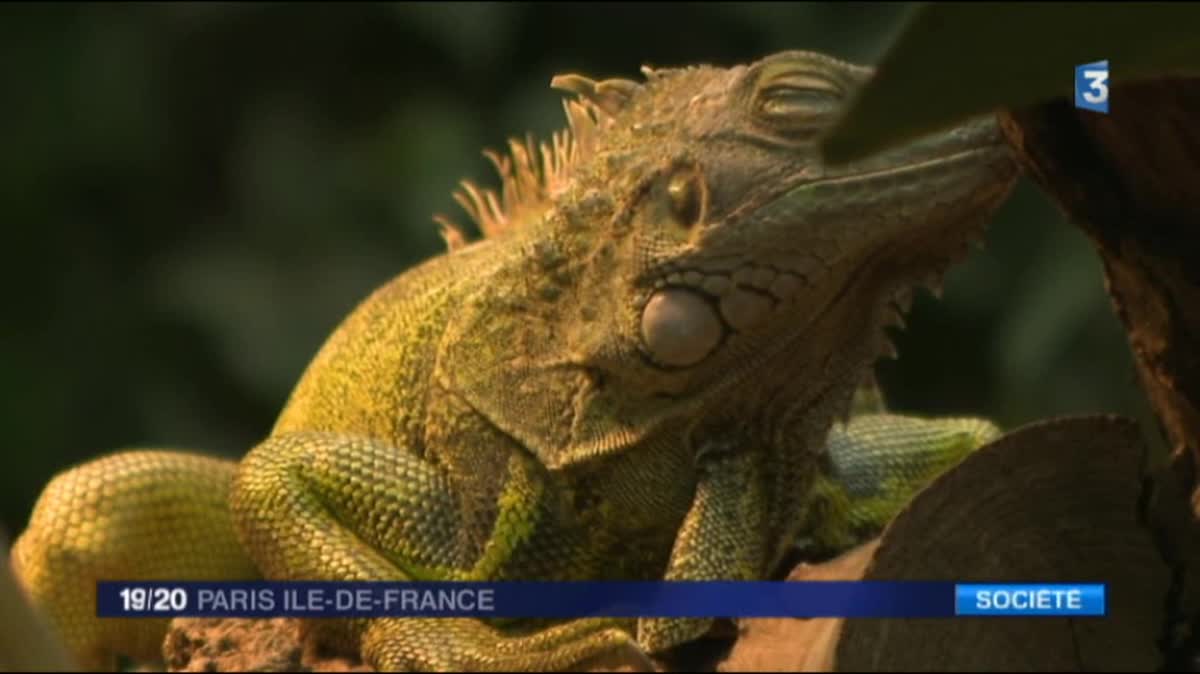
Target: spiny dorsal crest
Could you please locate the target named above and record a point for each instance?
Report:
(532, 174)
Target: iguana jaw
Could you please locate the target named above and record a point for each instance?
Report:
(863, 234)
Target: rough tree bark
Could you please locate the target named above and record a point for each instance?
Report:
(1131, 181)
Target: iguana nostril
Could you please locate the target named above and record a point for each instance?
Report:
(744, 309)
(679, 327)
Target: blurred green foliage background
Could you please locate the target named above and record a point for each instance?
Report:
(194, 195)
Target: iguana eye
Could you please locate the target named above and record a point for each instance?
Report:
(796, 101)
(686, 192)
(786, 100)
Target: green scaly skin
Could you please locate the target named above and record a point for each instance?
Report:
(633, 375)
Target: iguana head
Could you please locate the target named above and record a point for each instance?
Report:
(698, 249)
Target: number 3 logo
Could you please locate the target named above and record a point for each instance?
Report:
(1097, 82)
(1091, 86)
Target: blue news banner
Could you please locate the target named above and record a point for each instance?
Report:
(728, 599)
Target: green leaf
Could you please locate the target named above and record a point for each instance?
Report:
(953, 61)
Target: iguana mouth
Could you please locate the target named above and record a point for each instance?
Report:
(865, 188)
(946, 163)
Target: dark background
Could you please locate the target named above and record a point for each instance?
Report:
(194, 195)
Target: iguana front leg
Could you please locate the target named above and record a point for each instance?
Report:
(873, 466)
(722, 538)
(327, 506)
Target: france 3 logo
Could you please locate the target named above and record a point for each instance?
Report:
(1091, 86)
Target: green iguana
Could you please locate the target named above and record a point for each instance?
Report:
(634, 374)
